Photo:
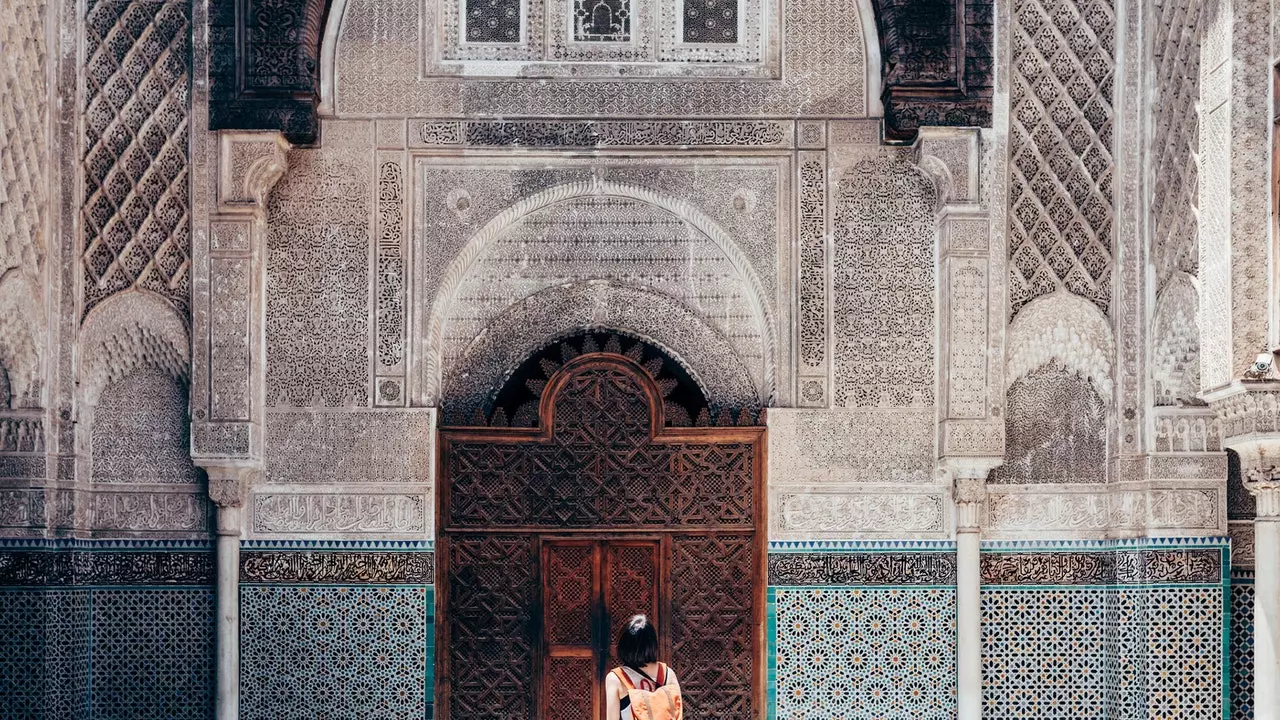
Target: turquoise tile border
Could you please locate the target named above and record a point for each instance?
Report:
(400, 545)
(805, 546)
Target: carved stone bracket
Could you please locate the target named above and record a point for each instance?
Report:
(228, 313)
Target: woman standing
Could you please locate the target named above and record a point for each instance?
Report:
(642, 688)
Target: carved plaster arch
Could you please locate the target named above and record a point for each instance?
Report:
(1065, 327)
(662, 321)
(21, 330)
(495, 228)
(128, 330)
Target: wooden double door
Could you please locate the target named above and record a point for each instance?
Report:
(591, 587)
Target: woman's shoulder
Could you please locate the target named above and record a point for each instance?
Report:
(671, 675)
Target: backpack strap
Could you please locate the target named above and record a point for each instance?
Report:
(626, 681)
(661, 680)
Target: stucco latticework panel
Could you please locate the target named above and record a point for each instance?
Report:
(1175, 355)
(560, 311)
(1215, 198)
(1175, 138)
(381, 51)
(1060, 184)
(318, 289)
(136, 189)
(883, 278)
(141, 432)
(23, 141)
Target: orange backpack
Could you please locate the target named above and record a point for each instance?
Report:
(661, 704)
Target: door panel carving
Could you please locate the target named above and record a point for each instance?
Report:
(666, 522)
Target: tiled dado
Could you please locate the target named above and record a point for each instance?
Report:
(341, 629)
(1106, 629)
(1240, 648)
(861, 630)
(119, 629)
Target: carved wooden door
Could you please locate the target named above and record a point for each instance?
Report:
(589, 589)
(550, 538)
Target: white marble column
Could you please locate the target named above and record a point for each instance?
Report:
(970, 493)
(228, 488)
(1265, 486)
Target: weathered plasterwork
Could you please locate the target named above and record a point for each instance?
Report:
(703, 235)
(1118, 510)
(325, 446)
(378, 61)
(841, 448)
(801, 512)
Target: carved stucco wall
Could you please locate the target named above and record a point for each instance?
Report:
(377, 61)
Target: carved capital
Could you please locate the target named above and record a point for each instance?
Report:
(249, 165)
(1264, 484)
(970, 497)
(229, 483)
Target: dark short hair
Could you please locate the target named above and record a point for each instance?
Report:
(638, 643)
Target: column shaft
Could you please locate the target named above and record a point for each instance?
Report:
(228, 643)
(968, 625)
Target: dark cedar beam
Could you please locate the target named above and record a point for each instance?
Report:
(264, 65)
(938, 63)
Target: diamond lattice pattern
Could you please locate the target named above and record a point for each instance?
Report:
(137, 95)
(1060, 220)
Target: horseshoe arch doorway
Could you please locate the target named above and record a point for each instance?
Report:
(600, 485)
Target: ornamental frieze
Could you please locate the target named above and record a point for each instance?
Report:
(874, 568)
(374, 568)
(85, 568)
(1127, 567)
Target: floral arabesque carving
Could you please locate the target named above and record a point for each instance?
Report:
(1175, 333)
(560, 311)
(746, 280)
(882, 285)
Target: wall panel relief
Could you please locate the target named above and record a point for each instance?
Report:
(317, 326)
(522, 253)
(382, 64)
(23, 134)
(883, 278)
(136, 191)
(1060, 184)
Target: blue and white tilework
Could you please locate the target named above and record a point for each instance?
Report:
(863, 653)
(341, 652)
(1110, 630)
(862, 631)
(1241, 648)
(106, 630)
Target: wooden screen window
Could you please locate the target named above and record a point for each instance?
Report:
(590, 589)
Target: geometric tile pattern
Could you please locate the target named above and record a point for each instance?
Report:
(858, 652)
(106, 653)
(1045, 652)
(335, 652)
(153, 654)
(1103, 652)
(1241, 650)
(22, 639)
